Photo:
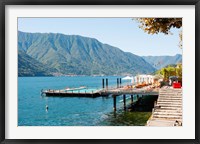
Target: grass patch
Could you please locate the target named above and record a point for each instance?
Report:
(127, 119)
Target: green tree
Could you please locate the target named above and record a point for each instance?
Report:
(164, 72)
(171, 71)
(179, 71)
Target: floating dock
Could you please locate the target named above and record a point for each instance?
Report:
(99, 93)
(71, 93)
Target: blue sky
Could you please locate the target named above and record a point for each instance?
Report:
(123, 33)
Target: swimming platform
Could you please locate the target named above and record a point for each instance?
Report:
(93, 92)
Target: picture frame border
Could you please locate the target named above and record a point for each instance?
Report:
(3, 4)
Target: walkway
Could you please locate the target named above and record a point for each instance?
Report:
(168, 109)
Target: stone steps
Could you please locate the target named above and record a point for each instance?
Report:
(163, 95)
(169, 103)
(160, 122)
(172, 98)
(167, 98)
(168, 113)
(170, 94)
(170, 91)
(168, 117)
(168, 108)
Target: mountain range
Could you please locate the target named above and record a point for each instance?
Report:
(52, 54)
(159, 62)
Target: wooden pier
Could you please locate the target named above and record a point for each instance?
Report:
(168, 108)
(141, 92)
(100, 93)
(115, 92)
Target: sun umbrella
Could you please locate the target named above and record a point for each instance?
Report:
(128, 78)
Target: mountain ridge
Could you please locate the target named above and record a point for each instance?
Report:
(77, 55)
(159, 62)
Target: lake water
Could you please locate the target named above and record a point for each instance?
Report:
(65, 111)
(62, 110)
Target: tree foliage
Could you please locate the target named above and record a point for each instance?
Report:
(181, 41)
(156, 25)
(160, 25)
(171, 70)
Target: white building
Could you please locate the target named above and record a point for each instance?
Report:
(143, 79)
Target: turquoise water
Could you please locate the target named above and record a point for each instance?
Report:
(63, 111)
(84, 90)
